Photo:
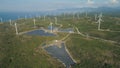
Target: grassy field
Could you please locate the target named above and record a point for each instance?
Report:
(91, 53)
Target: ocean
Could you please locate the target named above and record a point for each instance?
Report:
(6, 16)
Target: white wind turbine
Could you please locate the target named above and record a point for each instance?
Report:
(16, 29)
(10, 22)
(55, 20)
(34, 21)
(99, 21)
(51, 27)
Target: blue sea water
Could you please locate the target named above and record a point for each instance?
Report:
(6, 16)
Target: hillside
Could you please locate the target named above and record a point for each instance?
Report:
(92, 48)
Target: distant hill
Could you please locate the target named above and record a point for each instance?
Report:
(100, 9)
(106, 10)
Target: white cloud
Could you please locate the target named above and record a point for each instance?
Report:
(90, 2)
(114, 1)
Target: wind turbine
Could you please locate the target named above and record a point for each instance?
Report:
(34, 23)
(16, 29)
(51, 27)
(10, 22)
(99, 21)
(55, 20)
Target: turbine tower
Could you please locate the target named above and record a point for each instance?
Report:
(51, 27)
(55, 20)
(10, 22)
(16, 29)
(34, 23)
(99, 21)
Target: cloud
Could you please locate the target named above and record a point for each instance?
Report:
(114, 1)
(90, 2)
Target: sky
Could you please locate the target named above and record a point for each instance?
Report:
(49, 5)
